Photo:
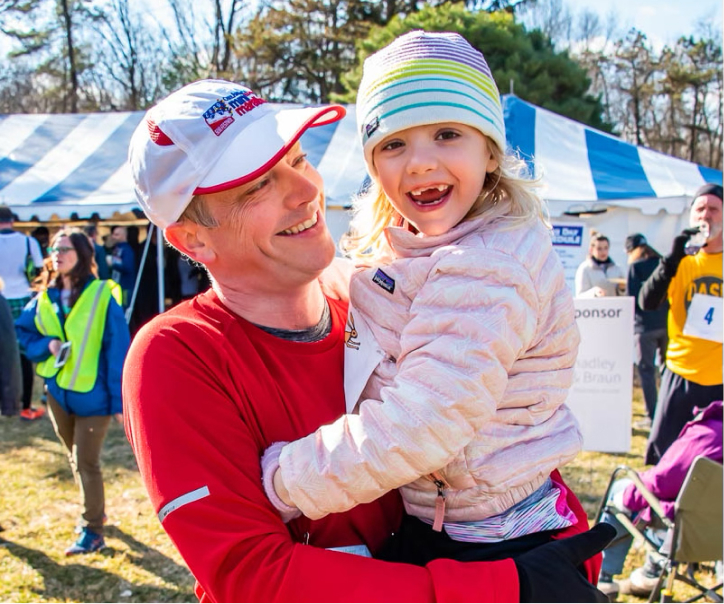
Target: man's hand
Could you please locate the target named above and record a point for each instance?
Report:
(549, 573)
(678, 250)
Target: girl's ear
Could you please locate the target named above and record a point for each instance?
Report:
(187, 238)
(493, 164)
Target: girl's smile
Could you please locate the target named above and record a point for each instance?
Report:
(433, 174)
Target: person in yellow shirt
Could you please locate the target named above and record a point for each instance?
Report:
(691, 280)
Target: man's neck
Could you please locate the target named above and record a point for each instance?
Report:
(294, 308)
(713, 247)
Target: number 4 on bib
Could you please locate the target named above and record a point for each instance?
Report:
(704, 318)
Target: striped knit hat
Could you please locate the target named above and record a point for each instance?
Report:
(424, 78)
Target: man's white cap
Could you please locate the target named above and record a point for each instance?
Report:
(211, 136)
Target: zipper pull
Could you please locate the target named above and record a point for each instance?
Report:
(305, 539)
(439, 505)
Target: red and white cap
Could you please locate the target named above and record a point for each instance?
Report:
(211, 136)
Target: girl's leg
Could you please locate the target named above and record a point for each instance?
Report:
(90, 432)
(64, 426)
(416, 543)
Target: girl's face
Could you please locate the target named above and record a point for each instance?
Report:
(599, 250)
(63, 255)
(433, 174)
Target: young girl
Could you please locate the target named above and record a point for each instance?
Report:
(461, 336)
(76, 332)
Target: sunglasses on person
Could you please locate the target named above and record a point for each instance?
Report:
(60, 250)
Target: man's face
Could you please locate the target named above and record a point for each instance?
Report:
(119, 234)
(708, 209)
(271, 233)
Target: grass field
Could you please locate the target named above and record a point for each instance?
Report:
(38, 511)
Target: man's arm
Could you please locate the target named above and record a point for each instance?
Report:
(200, 465)
(653, 291)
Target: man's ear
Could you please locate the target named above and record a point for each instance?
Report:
(185, 236)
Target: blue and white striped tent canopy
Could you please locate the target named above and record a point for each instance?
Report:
(582, 167)
(54, 165)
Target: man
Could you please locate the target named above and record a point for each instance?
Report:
(21, 262)
(104, 271)
(258, 358)
(123, 263)
(693, 286)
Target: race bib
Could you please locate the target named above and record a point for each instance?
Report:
(704, 318)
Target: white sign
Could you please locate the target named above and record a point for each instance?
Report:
(600, 397)
(568, 241)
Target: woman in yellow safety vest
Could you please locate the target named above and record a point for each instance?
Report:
(76, 332)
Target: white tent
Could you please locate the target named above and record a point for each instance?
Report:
(602, 181)
(57, 165)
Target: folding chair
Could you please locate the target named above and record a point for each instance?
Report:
(694, 536)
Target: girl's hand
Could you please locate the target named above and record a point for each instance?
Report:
(118, 417)
(54, 347)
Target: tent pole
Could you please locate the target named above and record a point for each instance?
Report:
(161, 271)
(129, 310)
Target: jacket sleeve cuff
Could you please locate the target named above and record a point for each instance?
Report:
(269, 467)
(495, 581)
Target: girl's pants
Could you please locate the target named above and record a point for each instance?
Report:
(416, 543)
(82, 438)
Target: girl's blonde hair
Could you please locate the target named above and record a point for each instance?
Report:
(508, 196)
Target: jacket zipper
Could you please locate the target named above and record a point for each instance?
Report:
(441, 485)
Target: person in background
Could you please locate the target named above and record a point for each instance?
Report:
(123, 263)
(101, 257)
(146, 305)
(598, 275)
(259, 358)
(702, 435)
(692, 285)
(650, 333)
(76, 331)
(42, 235)
(20, 263)
(10, 374)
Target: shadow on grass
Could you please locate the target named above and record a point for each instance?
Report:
(39, 434)
(80, 583)
(151, 560)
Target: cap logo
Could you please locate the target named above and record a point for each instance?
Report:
(221, 114)
(372, 126)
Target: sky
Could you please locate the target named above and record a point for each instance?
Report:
(663, 21)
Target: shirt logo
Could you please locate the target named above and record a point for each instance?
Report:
(384, 281)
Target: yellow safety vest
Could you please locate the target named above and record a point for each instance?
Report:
(84, 327)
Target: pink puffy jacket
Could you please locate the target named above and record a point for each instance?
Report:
(473, 348)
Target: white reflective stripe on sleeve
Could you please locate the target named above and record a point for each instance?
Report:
(357, 550)
(183, 500)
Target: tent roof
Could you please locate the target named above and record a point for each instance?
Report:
(57, 164)
(582, 168)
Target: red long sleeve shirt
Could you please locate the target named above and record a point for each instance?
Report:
(205, 392)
